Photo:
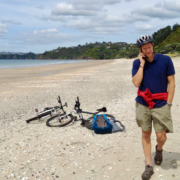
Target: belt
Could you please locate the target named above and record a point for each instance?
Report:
(148, 97)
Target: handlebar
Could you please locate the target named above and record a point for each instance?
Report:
(59, 99)
(78, 110)
(77, 105)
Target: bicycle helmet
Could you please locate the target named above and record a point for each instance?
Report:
(144, 39)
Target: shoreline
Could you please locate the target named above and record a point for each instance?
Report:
(50, 62)
(18, 74)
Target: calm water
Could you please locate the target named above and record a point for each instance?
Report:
(7, 64)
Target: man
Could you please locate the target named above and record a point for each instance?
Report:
(153, 74)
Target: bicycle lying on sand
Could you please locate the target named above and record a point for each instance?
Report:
(52, 111)
(56, 121)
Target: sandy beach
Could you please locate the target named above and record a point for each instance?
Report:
(35, 151)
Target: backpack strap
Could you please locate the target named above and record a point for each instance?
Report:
(117, 128)
(94, 120)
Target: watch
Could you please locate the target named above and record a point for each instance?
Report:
(169, 104)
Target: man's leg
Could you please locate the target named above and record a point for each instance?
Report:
(146, 142)
(161, 139)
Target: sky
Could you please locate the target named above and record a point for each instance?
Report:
(44, 25)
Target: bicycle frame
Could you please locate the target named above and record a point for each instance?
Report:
(49, 111)
(52, 110)
(79, 111)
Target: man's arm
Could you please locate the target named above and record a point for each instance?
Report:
(137, 78)
(171, 88)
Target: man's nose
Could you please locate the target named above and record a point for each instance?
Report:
(148, 49)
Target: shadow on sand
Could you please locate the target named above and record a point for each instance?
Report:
(171, 160)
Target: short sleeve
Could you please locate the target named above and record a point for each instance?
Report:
(170, 67)
(135, 67)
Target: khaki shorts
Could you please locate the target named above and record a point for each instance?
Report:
(161, 118)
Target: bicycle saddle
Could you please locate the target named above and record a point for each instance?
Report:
(102, 109)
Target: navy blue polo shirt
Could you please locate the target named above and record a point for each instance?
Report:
(154, 77)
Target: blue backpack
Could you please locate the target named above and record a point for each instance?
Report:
(101, 124)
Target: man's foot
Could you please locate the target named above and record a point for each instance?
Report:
(147, 173)
(158, 157)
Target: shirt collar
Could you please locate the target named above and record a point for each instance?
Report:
(155, 57)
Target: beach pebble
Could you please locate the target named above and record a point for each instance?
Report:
(25, 178)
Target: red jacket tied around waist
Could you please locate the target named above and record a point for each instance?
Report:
(148, 97)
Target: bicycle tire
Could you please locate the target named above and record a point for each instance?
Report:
(32, 119)
(89, 122)
(54, 120)
(38, 117)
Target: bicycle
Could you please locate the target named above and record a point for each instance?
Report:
(51, 111)
(55, 121)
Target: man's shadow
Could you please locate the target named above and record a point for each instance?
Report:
(171, 160)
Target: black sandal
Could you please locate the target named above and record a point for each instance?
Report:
(158, 157)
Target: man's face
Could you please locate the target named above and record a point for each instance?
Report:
(148, 49)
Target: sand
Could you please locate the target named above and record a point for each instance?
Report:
(35, 151)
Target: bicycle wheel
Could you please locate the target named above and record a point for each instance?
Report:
(56, 121)
(38, 117)
(32, 119)
(89, 122)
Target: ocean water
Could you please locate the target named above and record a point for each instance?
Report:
(8, 64)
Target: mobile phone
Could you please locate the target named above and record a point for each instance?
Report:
(145, 56)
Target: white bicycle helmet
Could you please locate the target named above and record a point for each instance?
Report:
(144, 39)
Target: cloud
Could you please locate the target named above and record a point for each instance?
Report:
(81, 7)
(112, 1)
(69, 10)
(91, 17)
(3, 29)
(10, 21)
(95, 27)
(172, 5)
(165, 10)
(40, 7)
(105, 24)
(44, 37)
(144, 27)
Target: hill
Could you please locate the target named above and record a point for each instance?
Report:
(93, 51)
(9, 55)
(166, 40)
(97, 50)
(171, 43)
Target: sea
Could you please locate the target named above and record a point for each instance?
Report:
(8, 63)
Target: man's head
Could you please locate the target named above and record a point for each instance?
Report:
(146, 45)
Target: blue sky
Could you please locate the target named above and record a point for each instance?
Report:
(39, 26)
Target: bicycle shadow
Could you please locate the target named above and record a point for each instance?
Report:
(171, 160)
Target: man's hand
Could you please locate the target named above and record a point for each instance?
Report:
(141, 56)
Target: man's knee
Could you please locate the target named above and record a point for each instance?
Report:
(161, 136)
(146, 134)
